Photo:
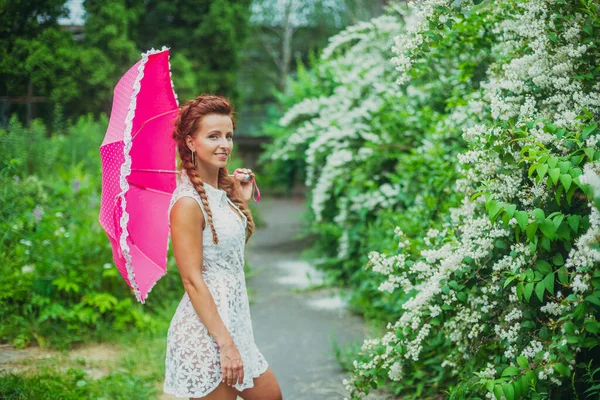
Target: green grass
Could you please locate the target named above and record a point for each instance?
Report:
(136, 372)
(75, 383)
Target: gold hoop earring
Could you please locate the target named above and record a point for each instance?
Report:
(194, 158)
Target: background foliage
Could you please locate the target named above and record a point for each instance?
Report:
(448, 149)
(54, 294)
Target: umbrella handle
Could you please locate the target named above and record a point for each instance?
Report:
(255, 196)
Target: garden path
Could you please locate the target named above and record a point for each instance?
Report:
(296, 321)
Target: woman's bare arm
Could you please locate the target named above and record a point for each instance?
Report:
(187, 221)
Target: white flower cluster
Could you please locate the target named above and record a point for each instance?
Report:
(584, 256)
(329, 172)
(518, 258)
(420, 14)
(532, 349)
(548, 66)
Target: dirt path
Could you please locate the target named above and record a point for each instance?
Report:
(295, 329)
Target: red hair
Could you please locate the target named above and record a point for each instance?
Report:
(188, 123)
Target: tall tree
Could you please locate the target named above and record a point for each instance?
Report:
(110, 48)
(283, 18)
(206, 36)
(35, 53)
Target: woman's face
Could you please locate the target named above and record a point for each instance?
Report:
(213, 141)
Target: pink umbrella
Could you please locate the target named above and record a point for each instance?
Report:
(138, 160)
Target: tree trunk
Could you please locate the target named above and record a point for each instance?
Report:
(286, 48)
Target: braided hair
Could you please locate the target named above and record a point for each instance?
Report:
(188, 123)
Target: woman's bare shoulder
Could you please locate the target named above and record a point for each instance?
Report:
(186, 211)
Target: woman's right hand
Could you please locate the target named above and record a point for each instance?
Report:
(232, 369)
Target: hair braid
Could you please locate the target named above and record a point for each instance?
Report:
(198, 184)
(227, 184)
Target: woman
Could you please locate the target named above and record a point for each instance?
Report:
(211, 352)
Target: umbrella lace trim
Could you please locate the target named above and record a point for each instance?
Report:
(177, 102)
(126, 169)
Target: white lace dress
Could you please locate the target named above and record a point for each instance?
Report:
(192, 364)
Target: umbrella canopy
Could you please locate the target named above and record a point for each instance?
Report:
(138, 160)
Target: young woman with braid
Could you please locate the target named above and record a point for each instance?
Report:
(211, 352)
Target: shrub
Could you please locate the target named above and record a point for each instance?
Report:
(456, 178)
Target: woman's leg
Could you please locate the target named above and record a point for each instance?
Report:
(265, 387)
(222, 392)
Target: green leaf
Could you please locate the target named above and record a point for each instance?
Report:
(590, 153)
(531, 230)
(589, 129)
(522, 218)
(573, 221)
(590, 342)
(559, 191)
(541, 170)
(510, 209)
(528, 324)
(539, 214)
(548, 228)
(509, 280)
(549, 283)
(566, 180)
(500, 244)
(531, 169)
(543, 266)
(550, 127)
(493, 209)
(571, 339)
(509, 391)
(498, 392)
(539, 290)
(522, 361)
(544, 333)
(558, 220)
(564, 166)
(529, 274)
(545, 242)
(511, 371)
(593, 299)
(554, 173)
(528, 290)
(558, 260)
(563, 275)
(518, 388)
(562, 369)
(569, 327)
(591, 326)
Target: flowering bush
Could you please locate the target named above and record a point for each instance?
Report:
(496, 109)
(380, 147)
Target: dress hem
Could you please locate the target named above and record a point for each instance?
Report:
(240, 388)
